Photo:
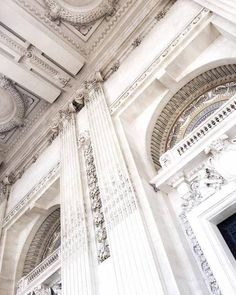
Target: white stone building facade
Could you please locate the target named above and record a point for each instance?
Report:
(118, 147)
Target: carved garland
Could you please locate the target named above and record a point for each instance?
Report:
(103, 251)
(60, 11)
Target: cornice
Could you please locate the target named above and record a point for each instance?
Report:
(122, 99)
(42, 185)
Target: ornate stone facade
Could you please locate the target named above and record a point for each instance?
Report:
(103, 251)
(108, 91)
(190, 106)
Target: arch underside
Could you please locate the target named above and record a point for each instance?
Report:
(46, 240)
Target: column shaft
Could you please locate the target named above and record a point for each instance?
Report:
(131, 253)
(76, 274)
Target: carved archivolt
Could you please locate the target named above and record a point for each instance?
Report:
(46, 240)
(16, 108)
(190, 106)
(79, 14)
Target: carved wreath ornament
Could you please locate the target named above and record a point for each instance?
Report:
(18, 113)
(77, 14)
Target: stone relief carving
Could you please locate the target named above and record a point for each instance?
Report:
(200, 257)
(103, 251)
(190, 106)
(207, 182)
(57, 289)
(12, 115)
(223, 153)
(32, 57)
(3, 191)
(199, 110)
(42, 290)
(76, 14)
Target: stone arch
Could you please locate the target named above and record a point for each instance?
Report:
(45, 241)
(190, 93)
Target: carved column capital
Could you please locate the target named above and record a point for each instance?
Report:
(94, 84)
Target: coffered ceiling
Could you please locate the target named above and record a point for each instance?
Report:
(49, 47)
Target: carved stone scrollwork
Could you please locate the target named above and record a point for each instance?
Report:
(76, 13)
(103, 251)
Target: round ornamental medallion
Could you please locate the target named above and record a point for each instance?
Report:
(79, 11)
(12, 111)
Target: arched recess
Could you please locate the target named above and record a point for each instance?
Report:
(190, 106)
(46, 240)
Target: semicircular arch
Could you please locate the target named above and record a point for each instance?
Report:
(162, 134)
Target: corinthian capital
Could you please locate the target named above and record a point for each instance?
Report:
(94, 84)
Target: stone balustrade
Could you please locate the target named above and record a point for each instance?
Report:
(202, 133)
(192, 146)
(40, 273)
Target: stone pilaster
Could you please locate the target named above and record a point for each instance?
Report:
(76, 272)
(130, 250)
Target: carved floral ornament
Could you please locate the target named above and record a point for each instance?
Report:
(79, 12)
(13, 112)
(216, 171)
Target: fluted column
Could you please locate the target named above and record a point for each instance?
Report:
(75, 270)
(134, 265)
